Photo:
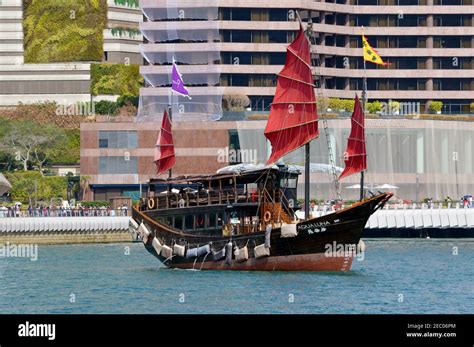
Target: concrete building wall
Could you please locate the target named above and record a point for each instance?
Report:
(420, 41)
(415, 155)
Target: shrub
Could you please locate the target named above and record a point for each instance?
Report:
(106, 107)
(394, 106)
(127, 100)
(335, 104)
(471, 106)
(347, 105)
(374, 107)
(95, 203)
(115, 79)
(435, 106)
(236, 103)
(28, 185)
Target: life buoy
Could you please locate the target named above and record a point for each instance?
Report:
(151, 203)
(267, 216)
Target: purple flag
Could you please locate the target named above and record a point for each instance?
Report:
(177, 84)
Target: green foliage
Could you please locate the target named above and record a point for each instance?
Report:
(435, 106)
(95, 203)
(335, 104)
(115, 79)
(127, 99)
(129, 3)
(394, 106)
(374, 107)
(49, 144)
(347, 105)
(106, 107)
(67, 149)
(47, 188)
(120, 32)
(64, 30)
(471, 107)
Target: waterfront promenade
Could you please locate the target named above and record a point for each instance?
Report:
(65, 229)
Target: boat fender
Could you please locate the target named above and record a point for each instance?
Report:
(179, 250)
(228, 253)
(191, 253)
(218, 255)
(166, 251)
(267, 216)
(361, 246)
(198, 251)
(288, 230)
(241, 254)
(261, 251)
(134, 225)
(203, 250)
(144, 233)
(151, 203)
(268, 234)
(156, 245)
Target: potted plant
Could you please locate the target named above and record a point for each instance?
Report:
(435, 107)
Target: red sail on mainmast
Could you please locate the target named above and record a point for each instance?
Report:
(164, 149)
(293, 120)
(355, 156)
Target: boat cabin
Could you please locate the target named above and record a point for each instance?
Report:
(227, 203)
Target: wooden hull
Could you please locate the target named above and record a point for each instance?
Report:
(323, 244)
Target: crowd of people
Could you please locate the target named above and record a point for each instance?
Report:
(78, 210)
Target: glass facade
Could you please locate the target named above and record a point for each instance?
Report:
(125, 165)
(118, 139)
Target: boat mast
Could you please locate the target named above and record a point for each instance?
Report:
(364, 99)
(170, 115)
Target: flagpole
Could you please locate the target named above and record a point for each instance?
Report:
(170, 116)
(364, 99)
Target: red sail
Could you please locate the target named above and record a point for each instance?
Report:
(164, 150)
(355, 157)
(293, 119)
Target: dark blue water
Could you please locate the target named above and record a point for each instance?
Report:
(396, 276)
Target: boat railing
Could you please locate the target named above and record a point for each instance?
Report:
(199, 198)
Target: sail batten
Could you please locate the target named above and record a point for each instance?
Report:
(355, 157)
(293, 120)
(164, 148)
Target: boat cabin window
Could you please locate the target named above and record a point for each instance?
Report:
(200, 221)
(178, 222)
(288, 183)
(189, 222)
(211, 221)
(220, 219)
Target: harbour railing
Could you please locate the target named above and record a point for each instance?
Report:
(71, 212)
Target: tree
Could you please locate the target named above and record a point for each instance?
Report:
(31, 144)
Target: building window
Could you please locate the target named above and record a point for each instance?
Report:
(118, 139)
(118, 165)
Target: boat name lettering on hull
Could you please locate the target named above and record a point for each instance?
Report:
(314, 228)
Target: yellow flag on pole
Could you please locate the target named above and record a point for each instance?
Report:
(371, 54)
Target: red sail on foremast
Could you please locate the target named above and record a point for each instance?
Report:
(164, 149)
(355, 156)
(293, 120)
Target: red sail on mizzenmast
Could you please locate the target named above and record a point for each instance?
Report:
(293, 120)
(164, 149)
(355, 156)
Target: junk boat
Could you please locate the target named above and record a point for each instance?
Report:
(246, 219)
